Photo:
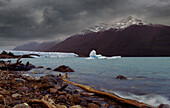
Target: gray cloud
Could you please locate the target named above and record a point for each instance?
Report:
(26, 20)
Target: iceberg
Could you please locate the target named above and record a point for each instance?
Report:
(93, 55)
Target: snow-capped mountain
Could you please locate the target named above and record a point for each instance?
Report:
(128, 21)
(97, 28)
(130, 37)
(122, 24)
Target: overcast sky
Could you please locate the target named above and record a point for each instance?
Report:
(45, 20)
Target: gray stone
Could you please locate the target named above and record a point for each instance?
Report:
(60, 106)
(16, 95)
(62, 99)
(24, 105)
(75, 98)
(76, 106)
(92, 105)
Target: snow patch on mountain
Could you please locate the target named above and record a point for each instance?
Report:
(119, 25)
(128, 21)
(96, 28)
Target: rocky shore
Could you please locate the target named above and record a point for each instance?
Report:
(50, 91)
(9, 55)
(18, 91)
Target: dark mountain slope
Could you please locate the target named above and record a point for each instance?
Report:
(135, 40)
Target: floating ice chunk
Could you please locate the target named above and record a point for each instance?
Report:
(93, 55)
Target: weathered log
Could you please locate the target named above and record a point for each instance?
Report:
(25, 55)
(129, 102)
(18, 66)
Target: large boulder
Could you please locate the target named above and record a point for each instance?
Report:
(121, 77)
(164, 106)
(75, 99)
(64, 68)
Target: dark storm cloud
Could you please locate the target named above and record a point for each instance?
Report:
(26, 20)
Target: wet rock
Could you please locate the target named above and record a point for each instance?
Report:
(34, 73)
(44, 86)
(64, 68)
(50, 78)
(23, 89)
(62, 93)
(34, 103)
(75, 99)
(97, 103)
(53, 90)
(1, 99)
(60, 106)
(121, 77)
(4, 92)
(1, 106)
(16, 102)
(1, 89)
(92, 105)
(104, 105)
(16, 95)
(48, 68)
(20, 80)
(40, 67)
(76, 106)
(84, 103)
(164, 106)
(37, 93)
(88, 100)
(62, 99)
(27, 78)
(24, 105)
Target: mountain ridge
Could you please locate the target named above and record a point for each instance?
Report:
(129, 37)
(134, 41)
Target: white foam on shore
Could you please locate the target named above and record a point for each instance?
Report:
(150, 99)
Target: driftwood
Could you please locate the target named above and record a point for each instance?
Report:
(123, 101)
(18, 66)
(24, 56)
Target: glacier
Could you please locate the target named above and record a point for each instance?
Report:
(93, 55)
(45, 54)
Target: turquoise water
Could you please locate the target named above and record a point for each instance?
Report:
(148, 77)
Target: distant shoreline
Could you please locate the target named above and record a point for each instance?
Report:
(88, 56)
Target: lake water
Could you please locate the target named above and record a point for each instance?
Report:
(148, 77)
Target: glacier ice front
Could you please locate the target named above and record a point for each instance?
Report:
(93, 55)
(46, 54)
